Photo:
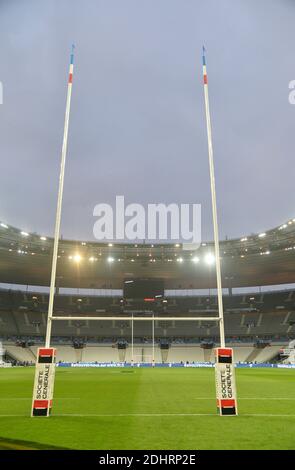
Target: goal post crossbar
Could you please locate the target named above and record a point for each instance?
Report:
(135, 318)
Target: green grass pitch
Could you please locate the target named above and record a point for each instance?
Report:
(148, 409)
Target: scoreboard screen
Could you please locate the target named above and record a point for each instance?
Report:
(144, 289)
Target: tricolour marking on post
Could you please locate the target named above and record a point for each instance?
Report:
(44, 382)
(225, 382)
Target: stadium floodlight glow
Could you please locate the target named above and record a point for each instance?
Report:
(77, 258)
(92, 259)
(4, 225)
(209, 259)
(43, 238)
(110, 244)
(25, 234)
(110, 259)
(283, 226)
(262, 235)
(244, 239)
(195, 259)
(177, 245)
(179, 260)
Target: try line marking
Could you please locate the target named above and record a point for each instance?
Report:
(249, 398)
(162, 414)
(148, 415)
(195, 398)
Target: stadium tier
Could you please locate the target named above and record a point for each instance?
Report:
(104, 353)
(248, 316)
(266, 258)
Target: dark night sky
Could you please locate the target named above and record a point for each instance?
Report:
(137, 124)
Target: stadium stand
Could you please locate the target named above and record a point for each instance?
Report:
(248, 318)
(272, 314)
(142, 353)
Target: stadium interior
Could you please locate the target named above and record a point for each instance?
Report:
(170, 281)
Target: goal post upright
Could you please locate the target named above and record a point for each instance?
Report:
(224, 366)
(59, 202)
(132, 339)
(153, 339)
(214, 204)
(45, 365)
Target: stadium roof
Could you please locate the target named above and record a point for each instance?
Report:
(260, 259)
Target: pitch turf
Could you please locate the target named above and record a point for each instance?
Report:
(148, 409)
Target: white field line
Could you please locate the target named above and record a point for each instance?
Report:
(122, 415)
(30, 398)
(248, 398)
(195, 398)
(151, 415)
(263, 398)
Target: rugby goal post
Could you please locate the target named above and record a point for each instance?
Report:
(139, 359)
(224, 367)
(45, 365)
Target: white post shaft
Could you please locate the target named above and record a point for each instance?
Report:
(132, 339)
(58, 215)
(215, 221)
(153, 333)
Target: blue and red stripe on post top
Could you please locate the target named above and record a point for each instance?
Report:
(204, 68)
(71, 65)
